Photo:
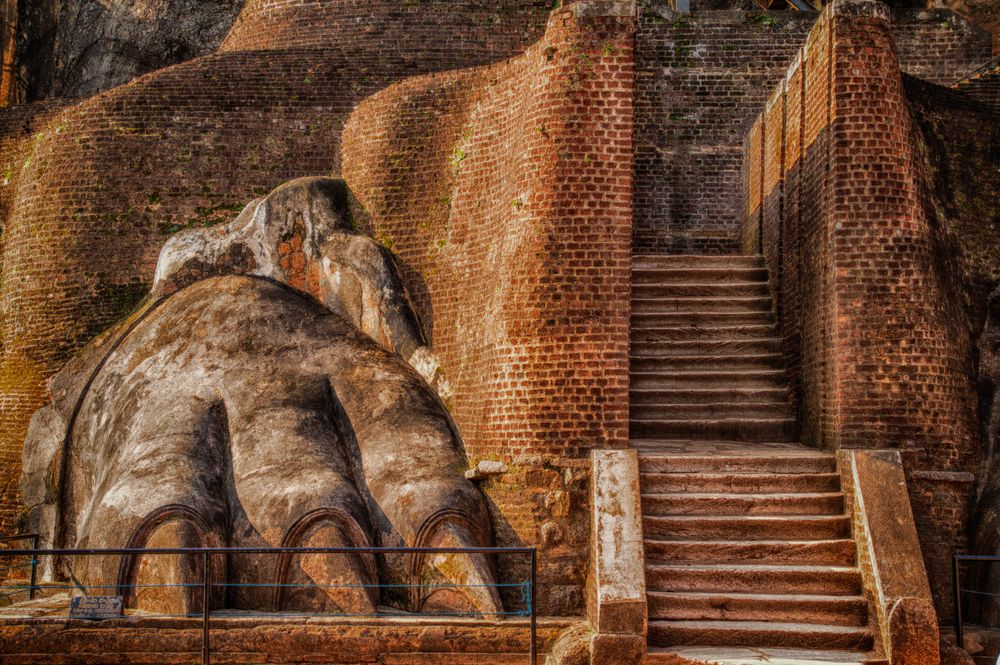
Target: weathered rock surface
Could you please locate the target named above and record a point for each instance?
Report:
(76, 48)
(987, 536)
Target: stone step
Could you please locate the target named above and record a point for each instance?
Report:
(759, 634)
(701, 304)
(757, 656)
(840, 552)
(739, 482)
(738, 428)
(679, 333)
(668, 411)
(715, 395)
(672, 289)
(672, 363)
(705, 347)
(697, 318)
(640, 261)
(689, 503)
(732, 578)
(670, 272)
(806, 461)
(722, 528)
(798, 608)
(747, 379)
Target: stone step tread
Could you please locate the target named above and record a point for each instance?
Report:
(768, 327)
(711, 357)
(742, 483)
(724, 528)
(680, 349)
(713, 421)
(778, 394)
(719, 407)
(719, 271)
(756, 656)
(753, 567)
(694, 285)
(830, 552)
(787, 597)
(749, 496)
(698, 259)
(738, 505)
(693, 373)
(699, 300)
(770, 626)
(773, 625)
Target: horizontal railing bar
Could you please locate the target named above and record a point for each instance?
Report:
(976, 557)
(511, 585)
(19, 536)
(272, 550)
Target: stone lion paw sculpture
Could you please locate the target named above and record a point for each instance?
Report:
(262, 399)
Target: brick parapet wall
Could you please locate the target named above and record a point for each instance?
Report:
(878, 346)
(91, 192)
(506, 191)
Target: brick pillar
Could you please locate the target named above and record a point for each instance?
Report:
(901, 347)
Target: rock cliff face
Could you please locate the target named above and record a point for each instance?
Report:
(76, 48)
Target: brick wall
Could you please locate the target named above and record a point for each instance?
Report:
(701, 77)
(506, 191)
(91, 193)
(878, 344)
(938, 45)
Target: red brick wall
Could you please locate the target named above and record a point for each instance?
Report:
(878, 344)
(93, 191)
(938, 45)
(507, 192)
(702, 77)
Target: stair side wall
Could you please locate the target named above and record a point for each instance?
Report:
(878, 346)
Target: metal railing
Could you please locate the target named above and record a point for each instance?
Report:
(958, 590)
(207, 584)
(992, 63)
(33, 564)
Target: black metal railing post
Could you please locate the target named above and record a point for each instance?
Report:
(957, 581)
(34, 567)
(206, 608)
(534, 613)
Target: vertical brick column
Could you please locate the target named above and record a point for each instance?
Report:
(901, 347)
(507, 193)
(877, 341)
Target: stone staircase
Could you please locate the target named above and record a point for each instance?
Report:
(749, 555)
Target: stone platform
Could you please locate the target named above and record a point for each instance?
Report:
(39, 631)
